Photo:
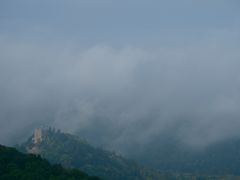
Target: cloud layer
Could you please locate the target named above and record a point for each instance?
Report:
(121, 97)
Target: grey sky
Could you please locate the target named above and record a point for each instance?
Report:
(121, 72)
(135, 22)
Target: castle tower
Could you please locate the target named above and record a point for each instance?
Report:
(37, 137)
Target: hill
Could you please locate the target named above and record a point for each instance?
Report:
(16, 165)
(73, 152)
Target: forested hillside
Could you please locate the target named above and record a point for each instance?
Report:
(73, 152)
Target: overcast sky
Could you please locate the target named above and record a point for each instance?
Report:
(121, 72)
(136, 22)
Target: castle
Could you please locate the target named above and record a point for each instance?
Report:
(37, 137)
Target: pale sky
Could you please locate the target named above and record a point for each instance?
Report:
(141, 23)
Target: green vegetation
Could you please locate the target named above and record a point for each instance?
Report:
(73, 152)
(16, 165)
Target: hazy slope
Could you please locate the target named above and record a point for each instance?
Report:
(219, 158)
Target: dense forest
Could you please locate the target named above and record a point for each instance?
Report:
(16, 165)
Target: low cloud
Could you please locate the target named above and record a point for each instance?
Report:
(121, 97)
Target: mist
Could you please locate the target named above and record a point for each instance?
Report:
(122, 97)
